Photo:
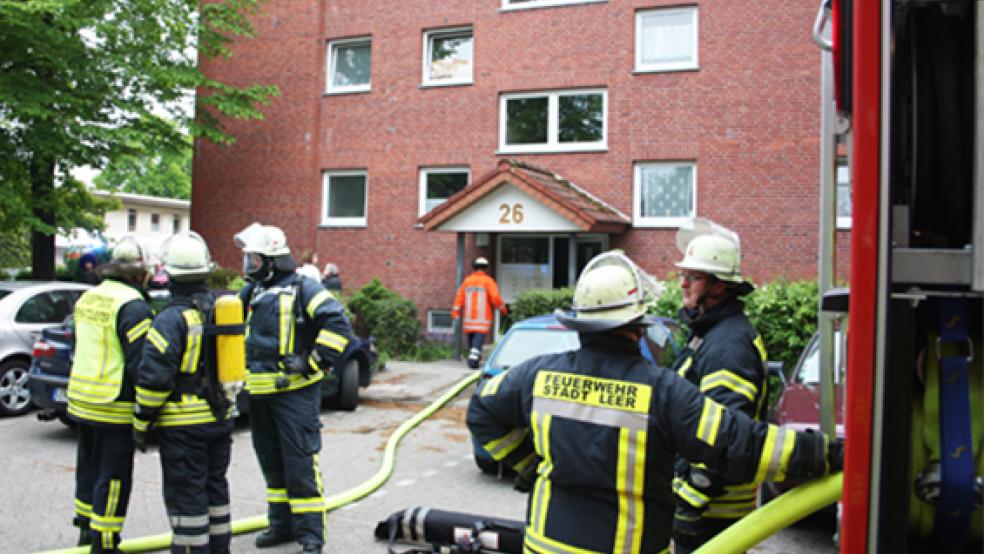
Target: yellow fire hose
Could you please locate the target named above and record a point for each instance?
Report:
(256, 523)
(775, 516)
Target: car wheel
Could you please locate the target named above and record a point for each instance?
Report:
(348, 387)
(15, 397)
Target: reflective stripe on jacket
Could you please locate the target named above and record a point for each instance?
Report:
(96, 382)
(477, 298)
(606, 425)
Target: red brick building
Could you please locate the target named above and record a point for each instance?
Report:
(653, 110)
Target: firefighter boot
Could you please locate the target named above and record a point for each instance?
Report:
(272, 537)
(473, 355)
(310, 548)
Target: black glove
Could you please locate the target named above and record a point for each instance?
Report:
(140, 440)
(525, 478)
(835, 455)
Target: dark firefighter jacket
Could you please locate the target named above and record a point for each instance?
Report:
(606, 425)
(295, 329)
(110, 321)
(171, 383)
(725, 358)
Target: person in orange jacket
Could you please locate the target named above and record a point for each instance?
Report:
(478, 295)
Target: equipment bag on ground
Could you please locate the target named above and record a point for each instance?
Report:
(452, 532)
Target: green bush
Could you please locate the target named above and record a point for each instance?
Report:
(538, 302)
(785, 315)
(387, 316)
(223, 277)
(429, 350)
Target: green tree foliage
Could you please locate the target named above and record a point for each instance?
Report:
(85, 82)
(166, 173)
(538, 302)
(387, 316)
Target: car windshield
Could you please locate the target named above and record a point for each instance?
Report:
(4, 292)
(809, 371)
(523, 344)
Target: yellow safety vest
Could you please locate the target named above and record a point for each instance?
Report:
(97, 371)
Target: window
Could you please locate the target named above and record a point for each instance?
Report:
(344, 199)
(131, 220)
(526, 4)
(843, 196)
(155, 222)
(438, 183)
(46, 307)
(350, 64)
(448, 57)
(175, 223)
(666, 39)
(563, 121)
(439, 322)
(664, 194)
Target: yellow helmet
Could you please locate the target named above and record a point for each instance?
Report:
(712, 249)
(186, 257)
(612, 291)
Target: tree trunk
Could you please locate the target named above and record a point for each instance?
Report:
(43, 245)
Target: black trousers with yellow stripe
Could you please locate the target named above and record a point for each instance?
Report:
(194, 460)
(103, 478)
(286, 430)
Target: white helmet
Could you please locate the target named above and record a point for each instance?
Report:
(612, 291)
(712, 249)
(186, 258)
(262, 239)
(128, 258)
(480, 261)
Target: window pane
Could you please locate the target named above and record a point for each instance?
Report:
(451, 57)
(39, 309)
(352, 63)
(581, 118)
(525, 250)
(667, 191)
(442, 185)
(526, 120)
(346, 196)
(843, 192)
(667, 37)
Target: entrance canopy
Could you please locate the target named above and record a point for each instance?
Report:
(521, 198)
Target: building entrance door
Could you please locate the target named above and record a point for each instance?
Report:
(532, 262)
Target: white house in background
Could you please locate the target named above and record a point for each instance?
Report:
(150, 218)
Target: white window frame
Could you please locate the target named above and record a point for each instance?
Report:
(429, 37)
(422, 182)
(434, 329)
(131, 220)
(344, 221)
(333, 47)
(508, 6)
(659, 222)
(553, 143)
(667, 66)
(155, 222)
(843, 222)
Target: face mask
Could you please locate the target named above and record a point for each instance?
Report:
(255, 267)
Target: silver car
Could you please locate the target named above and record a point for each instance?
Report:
(27, 307)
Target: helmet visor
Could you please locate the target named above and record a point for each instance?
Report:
(252, 263)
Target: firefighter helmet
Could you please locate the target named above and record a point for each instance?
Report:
(265, 240)
(480, 261)
(612, 291)
(712, 249)
(186, 258)
(127, 259)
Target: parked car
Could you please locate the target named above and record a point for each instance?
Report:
(52, 363)
(543, 334)
(28, 308)
(798, 405)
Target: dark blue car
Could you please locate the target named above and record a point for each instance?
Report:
(51, 362)
(545, 335)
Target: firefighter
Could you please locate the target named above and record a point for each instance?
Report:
(603, 426)
(725, 358)
(178, 393)
(478, 295)
(295, 332)
(111, 321)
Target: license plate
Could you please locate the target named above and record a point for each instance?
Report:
(58, 395)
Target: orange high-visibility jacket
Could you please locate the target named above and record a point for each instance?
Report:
(479, 295)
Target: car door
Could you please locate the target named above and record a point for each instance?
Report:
(41, 310)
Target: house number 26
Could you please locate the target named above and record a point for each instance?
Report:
(511, 214)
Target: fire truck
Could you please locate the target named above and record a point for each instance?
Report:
(904, 101)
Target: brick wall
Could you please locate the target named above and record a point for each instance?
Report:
(749, 117)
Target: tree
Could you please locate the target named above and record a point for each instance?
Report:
(88, 82)
(166, 173)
